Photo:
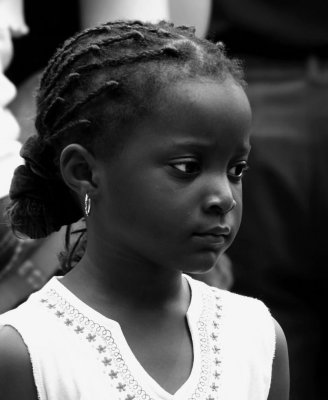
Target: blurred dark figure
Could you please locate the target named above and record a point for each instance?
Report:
(280, 253)
(12, 250)
(25, 265)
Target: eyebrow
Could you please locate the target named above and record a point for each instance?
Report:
(180, 142)
(197, 143)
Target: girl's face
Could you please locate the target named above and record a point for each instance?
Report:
(167, 198)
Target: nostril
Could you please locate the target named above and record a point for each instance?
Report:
(232, 206)
(219, 206)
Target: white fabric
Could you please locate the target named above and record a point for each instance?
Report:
(77, 353)
(12, 24)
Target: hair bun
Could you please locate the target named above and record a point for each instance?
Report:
(41, 203)
(39, 156)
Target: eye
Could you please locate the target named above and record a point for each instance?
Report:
(188, 166)
(238, 170)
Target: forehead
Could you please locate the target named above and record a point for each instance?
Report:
(208, 98)
(203, 111)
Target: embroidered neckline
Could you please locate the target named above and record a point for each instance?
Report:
(107, 351)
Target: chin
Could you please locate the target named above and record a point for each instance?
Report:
(202, 263)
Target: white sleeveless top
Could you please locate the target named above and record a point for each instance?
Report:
(77, 353)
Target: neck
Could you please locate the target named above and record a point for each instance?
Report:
(117, 279)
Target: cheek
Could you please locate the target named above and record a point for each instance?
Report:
(238, 211)
(157, 211)
(144, 204)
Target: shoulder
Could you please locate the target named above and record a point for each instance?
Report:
(237, 304)
(232, 302)
(16, 376)
(240, 314)
(265, 340)
(279, 389)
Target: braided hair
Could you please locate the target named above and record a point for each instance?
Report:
(100, 79)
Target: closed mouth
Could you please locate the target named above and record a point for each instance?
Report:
(216, 231)
(210, 238)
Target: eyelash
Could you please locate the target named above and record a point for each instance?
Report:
(244, 168)
(235, 176)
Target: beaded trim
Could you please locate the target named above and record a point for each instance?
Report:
(108, 353)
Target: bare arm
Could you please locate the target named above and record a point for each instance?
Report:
(16, 377)
(280, 370)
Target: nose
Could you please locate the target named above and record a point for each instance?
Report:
(219, 199)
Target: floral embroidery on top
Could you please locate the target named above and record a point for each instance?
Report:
(107, 352)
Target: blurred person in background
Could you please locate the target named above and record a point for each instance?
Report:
(21, 260)
(12, 25)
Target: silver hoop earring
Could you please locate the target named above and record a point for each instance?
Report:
(87, 205)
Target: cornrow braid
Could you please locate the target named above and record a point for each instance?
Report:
(71, 126)
(85, 100)
(56, 98)
(60, 55)
(95, 47)
(56, 60)
(98, 82)
(145, 55)
(128, 59)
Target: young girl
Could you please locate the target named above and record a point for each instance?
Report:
(142, 130)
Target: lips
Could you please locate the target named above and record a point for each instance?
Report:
(213, 237)
(215, 231)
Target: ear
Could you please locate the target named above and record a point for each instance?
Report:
(78, 169)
